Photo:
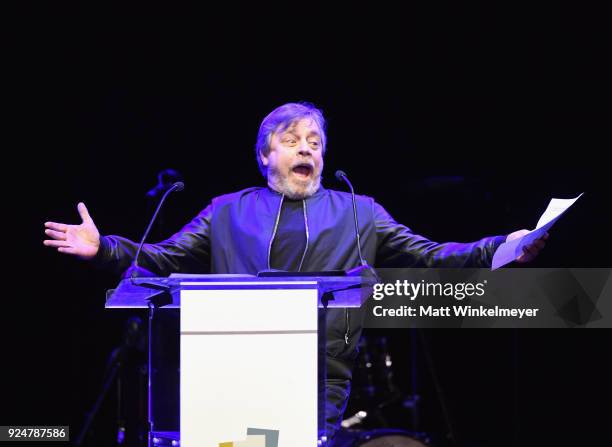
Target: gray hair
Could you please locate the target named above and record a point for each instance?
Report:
(279, 120)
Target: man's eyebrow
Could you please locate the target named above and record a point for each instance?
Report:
(291, 131)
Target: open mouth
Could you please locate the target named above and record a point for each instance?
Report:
(303, 170)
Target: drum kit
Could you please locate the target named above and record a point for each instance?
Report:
(375, 399)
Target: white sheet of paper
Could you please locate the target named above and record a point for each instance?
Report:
(555, 208)
(509, 251)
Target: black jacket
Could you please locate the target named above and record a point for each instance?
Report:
(234, 234)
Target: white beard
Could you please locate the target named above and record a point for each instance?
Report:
(280, 183)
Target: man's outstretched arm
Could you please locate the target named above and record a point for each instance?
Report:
(398, 246)
(186, 251)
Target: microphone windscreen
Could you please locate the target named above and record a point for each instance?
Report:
(340, 175)
(178, 186)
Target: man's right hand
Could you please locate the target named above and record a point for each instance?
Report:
(80, 240)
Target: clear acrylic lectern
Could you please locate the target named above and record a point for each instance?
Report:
(233, 357)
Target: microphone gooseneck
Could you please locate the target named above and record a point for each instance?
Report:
(341, 175)
(177, 186)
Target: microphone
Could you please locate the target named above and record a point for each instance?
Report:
(341, 176)
(135, 271)
(165, 180)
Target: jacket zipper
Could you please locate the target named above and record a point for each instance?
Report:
(346, 334)
(280, 207)
(307, 235)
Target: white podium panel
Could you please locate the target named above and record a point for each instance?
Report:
(248, 360)
(256, 310)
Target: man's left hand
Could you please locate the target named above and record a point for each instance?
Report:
(529, 251)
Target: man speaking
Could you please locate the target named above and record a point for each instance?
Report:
(293, 224)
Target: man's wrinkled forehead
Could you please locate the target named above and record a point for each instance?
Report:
(309, 124)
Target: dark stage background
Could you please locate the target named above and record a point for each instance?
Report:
(462, 121)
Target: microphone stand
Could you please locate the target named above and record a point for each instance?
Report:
(108, 382)
(412, 401)
(451, 433)
(115, 368)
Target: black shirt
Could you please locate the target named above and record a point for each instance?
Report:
(290, 239)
